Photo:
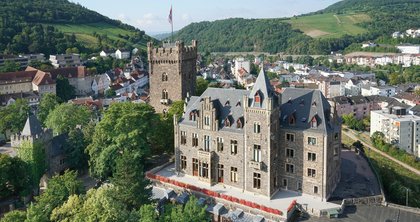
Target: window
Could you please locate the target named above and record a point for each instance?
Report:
(193, 115)
(290, 168)
(207, 143)
(311, 140)
(311, 156)
(257, 127)
(183, 162)
(239, 123)
(164, 77)
(220, 173)
(275, 181)
(336, 136)
(311, 172)
(290, 137)
(257, 181)
(299, 185)
(194, 139)
(164, 94)
(315, 189)
(219, 144)
(234, 147)
(292, 119)
(257, 100)
(183, 137)
(227, 122)
(257, 153)
(234, 174)
(314, 122)
(284, 182)
(195, 167)
(207, 120)
(204, 170)
(290, 153)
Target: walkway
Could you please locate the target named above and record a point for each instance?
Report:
(350, 134)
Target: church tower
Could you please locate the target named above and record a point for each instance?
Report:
(172, 71)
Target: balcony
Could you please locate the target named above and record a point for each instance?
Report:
(204, 155)
(254, 164)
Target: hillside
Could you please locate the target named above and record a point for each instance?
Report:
(332, 29)
(52, 26)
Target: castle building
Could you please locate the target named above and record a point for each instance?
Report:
(260, 141)
(172, 71)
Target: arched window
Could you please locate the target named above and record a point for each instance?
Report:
(164, 77)
(193, 115)
(164, 94)
(239, 123)
(227, 122)
(314, 122)
(292, 119)
(257, 99)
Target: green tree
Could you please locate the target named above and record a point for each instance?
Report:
(66, 117)
(291, 69)
(64, 90)
(110, 93)
(125, 127)
(10, 66)
(14, 216)
(201, 86)
(47, 104)
(59, 189)
(289, 59)
(177, 108)
(13, 117)
(132, 188)
(148, 213)
(191, 212)
(14, 178)
(33, 154)
(74, 147)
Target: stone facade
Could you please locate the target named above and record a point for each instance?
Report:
(172, 73)
(261, 141)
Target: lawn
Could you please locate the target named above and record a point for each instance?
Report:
(329, 25)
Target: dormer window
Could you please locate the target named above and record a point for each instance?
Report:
(292, 119)
(314, 122)
(239, 123)
(164, 77)
(314, 104)
(257, 100)
(238, 103)
(227, 122)
(227, 103)
(193, 115)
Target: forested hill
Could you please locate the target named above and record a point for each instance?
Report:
(331, 29)
(53, 26)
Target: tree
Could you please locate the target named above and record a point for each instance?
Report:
(191, 212)
(13, 117)
(125, 127)
(177, 108)
(66, 117)
(33, 154)
(60, 188)
(129, 180)
(14, 178)
(289, 59)
(47, 104)
(14, 216)
(201, 86)
(148, 213)
(64, 90)
(10, 66)
(291, 69)
(110, 93)
(75, 149)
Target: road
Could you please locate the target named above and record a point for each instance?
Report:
(408, 167)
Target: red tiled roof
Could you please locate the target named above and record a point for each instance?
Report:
(69, 72)
(42, 78)
(22, 76)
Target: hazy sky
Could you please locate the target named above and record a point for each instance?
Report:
(152, 15)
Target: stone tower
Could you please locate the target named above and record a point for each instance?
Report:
(261, 140)
(172, 71)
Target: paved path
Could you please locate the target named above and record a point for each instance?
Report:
(408, 167)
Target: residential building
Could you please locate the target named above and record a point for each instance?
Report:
(369, 45)
(399, 128)
(173, 72)
(107, 53)
(332, 88)
(122, 54)
(387, 91)
(260, 141)
(100, 84)
(241, 63)
(359, 106)
(78, 77)
(409, 49)
(65, 60)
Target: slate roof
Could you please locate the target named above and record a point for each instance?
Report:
(304, 105)
(220, 97)
(262, 85)
(32, 126)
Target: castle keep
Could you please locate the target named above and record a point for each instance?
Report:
(172, 73)
(260, 141)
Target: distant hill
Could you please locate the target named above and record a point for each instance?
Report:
(332, 29)
(163, 36)
(53, 26)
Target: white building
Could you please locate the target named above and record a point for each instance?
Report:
(239, 64)
(65, 60)
(409, 49)
(369, 45)
(104, 53)
(398, 127)
(122, 54)
(387, 91)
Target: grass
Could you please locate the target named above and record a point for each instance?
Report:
(329, 25)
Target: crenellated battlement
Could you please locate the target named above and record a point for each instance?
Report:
(171, 53)
(17, 139)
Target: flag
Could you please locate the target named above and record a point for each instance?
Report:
(170, 16)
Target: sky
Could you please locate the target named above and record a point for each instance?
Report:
(152, 15)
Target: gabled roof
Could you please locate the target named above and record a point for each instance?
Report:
(262, 85)
(32, 126)
(42, 78)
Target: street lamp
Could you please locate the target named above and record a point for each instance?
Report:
(406, 197)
